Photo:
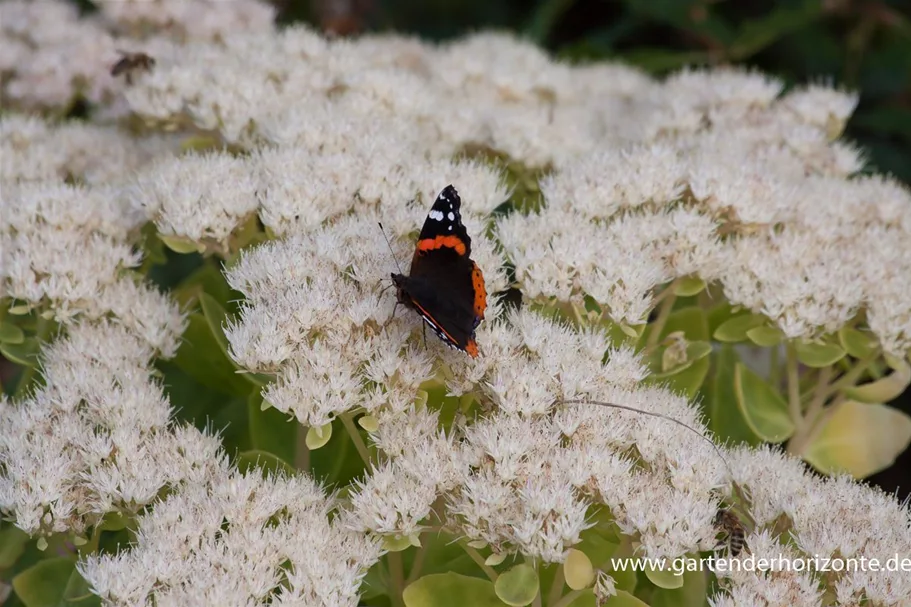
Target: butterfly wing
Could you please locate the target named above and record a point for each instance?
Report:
(445, 286)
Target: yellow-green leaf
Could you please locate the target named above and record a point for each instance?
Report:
(43, 584)
(664, 578)
(725, 417)
(181, 245)
(885, 389)
(12, 544)
(368, 423)
(216, 317)
(765, 336)
(860, 439)
(11, 334)
(818, 355)
(578, 570)
(25, 353)
(735, 329)
(318, 436)
(495, 559)
(689, 286)
(858, 344)
(518, 586)
(450, 590)
(267, 462)
(624, 599)
(396, 543)
(764, 409)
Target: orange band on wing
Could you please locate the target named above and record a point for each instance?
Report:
(480, 291)
(471, 348)
(449, 242)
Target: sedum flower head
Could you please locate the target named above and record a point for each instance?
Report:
(241, 539)
(96, 438)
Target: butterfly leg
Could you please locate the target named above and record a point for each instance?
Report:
(424, 328)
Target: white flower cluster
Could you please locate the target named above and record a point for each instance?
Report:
(32, 149)
(709, 174)
(238, 539)
(50, 54)
(739, 183)
(713, 174)
(317, 316)
(828, 518)
(69, 246)
(96, 438)
(316, 312)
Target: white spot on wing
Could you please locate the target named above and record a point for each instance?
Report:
(451, 216)
(436, 215)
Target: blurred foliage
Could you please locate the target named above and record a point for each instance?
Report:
(861, 45)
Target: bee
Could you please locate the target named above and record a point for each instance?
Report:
(130, 64)
(728, 522)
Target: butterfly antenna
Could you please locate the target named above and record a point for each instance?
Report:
(389, 244)
(724, 461)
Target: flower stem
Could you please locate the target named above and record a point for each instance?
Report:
(301, 451)
(794, 387)
(356, 438)
(556, 589)
(477, 558)
(396, 577)
(42, 330)
(664, 311)
(568, 599)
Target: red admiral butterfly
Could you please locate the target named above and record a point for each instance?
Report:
(445, 287)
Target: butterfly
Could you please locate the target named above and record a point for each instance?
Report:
(445, 287)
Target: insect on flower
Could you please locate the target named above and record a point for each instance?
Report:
(445, 287)
(728, 522)
(131, 64)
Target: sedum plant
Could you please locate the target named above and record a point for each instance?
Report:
(217, 403)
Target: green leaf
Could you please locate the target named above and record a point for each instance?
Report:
(519, 586)
(396, 543)
(25, 354)
(665, 578)
(689, 286)
(858, 344)
(818, 355)
(181, 245)
(318, 436)
(77, 592)
(735, 329)
(43, 584)
(695, 351)
(216, 317)
(271, 430)
(659, 60)
(450, 590)
(765, 336)
(860, 439)
(692, 592)
(688, 382)
(624, 599)
(758, 33)
(114, 521)
(11, 333)
(207, 278)
(885, 389)
(263, 460)
(12, 545)
(201, 357)
(726, 418)
(762, 406)
(578, 570)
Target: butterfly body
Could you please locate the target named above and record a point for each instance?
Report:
(444, 286)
